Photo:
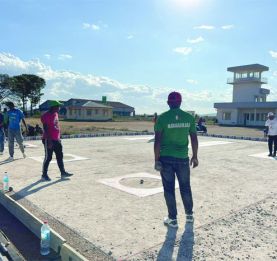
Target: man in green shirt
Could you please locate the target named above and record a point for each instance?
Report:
(171, 156)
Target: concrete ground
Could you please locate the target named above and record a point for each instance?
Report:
(114, 199)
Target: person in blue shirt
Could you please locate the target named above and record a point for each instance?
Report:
(5, 122)
(15, 116)
(2, 133)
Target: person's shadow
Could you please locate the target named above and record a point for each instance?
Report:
(185, 252)
(166, 252)
(7, 161)
(28, 190)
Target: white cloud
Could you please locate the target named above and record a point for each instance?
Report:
(94, 27)
(273, 54)
(64, 56)
(183, 50)
(64, 85)
(205, 27)
(59, 89)
(130, 36)
(47, 56)
(196, 40)
(86, 25)
(227, 27)
(190, 81)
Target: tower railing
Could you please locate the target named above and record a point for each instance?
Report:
(247, 79)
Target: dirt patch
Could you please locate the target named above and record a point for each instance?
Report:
(70, 127)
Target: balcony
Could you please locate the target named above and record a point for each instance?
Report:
(264, 91)
(262, 80)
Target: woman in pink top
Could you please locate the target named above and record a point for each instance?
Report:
(52, 140)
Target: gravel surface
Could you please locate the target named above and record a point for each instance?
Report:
(248, 234)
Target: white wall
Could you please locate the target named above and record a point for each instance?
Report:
(232, 121)
(81, 114)
(246, 92)
(254, 122)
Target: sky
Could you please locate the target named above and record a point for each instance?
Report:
(138, 51)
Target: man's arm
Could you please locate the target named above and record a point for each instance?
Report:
(157, 148)
(1, 121)
(194, 145)
(157, 145)
(24, 123)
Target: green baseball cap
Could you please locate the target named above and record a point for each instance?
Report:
(55, 104)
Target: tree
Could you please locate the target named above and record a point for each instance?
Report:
(28, 87)
(35, 98)
(5, 90)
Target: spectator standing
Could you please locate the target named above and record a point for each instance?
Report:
(271, 125)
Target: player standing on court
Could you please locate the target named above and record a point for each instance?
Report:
(52, 140)
(171, 156)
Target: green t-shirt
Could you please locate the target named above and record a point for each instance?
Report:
(175, 125)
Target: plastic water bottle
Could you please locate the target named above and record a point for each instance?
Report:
(45, 239)
(6, 182)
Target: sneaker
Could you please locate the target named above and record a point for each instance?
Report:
(45, 177)
(190, 218)
(1, 153)
(269, 155)
(10, 159)
(24, 155)
(274, 154)
(66, 175)
(171, 222)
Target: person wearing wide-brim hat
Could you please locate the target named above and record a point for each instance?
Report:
(271, 125)
(52, 140)
(172, 130)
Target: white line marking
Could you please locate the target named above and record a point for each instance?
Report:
(214, 143)
(201, 144)
(73, 158)
(26, 145)
(139, 192)
(139, 138)
(263, 155)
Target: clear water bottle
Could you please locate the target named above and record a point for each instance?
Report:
(45, 239)
(6, 182)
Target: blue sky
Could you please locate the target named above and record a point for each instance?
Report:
(137, 51)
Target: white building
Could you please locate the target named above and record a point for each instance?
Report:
(249, 106)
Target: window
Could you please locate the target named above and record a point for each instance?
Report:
(263, 116)
(257, 116)
(70, 112)
(96, 111)
(256, 74)
(226, 116)
(88, 112)
(252, 117)
(79, 112)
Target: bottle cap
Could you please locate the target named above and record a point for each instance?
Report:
(45, 222)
